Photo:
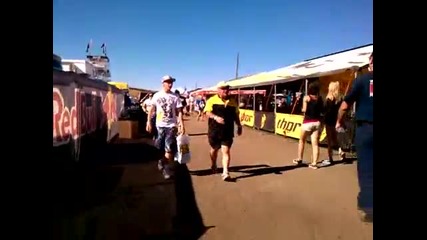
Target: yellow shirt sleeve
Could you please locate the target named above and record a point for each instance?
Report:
(237, 107)
(208, 106)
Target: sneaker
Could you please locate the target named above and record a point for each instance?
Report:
(325, 163)
(297, 161)
(226, 177)
(366, 217)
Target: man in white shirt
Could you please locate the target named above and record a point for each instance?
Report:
(191, 104)
(168, 109)
(146, 105)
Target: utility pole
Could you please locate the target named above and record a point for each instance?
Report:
(237, 65)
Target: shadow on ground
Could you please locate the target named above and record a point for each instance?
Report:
(263, 169)
(206, 172)
(345, 161)
(118, 193)
(197, 134)
(250, 170)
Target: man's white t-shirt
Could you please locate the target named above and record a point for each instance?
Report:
(166, 108)
(147, 103)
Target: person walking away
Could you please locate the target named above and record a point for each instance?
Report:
(182, 99)
(197, 106)
(312, 107)
(223, 113)
(168, 108)
(191, 103)
(332, 104)
(362, 93)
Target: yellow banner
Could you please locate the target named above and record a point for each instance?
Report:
(247, 117)
(289, 125)
(120, 85)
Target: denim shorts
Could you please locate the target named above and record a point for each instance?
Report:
(166, 139)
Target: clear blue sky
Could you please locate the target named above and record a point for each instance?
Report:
(197, 41)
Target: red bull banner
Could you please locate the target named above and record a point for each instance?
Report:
(83, 106)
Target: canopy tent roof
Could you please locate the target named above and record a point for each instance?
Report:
(203, 91)
(253, 80)
(327, 65)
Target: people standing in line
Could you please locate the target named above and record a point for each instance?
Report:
(223, 113)
(332, 104)
(312, 107)
(362, 93)
(168, 108)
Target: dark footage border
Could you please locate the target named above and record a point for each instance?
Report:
(26, 83)
(399, 161)
(397, 178)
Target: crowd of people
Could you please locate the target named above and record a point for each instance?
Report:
(165, 111)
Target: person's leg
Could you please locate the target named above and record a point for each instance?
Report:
(215, 145)
(364, 151)
(330, 130)
(301, 143)
(170, 151)
(159, 142)
(154, 128)
(315, 145)
(226, 157)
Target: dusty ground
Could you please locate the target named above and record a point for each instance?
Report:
(272, 199)
(122, 196)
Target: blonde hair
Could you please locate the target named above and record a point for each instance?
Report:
(334, 91)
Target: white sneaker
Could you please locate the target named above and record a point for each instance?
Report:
(226, 177)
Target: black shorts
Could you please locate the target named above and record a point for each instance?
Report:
(217, 142)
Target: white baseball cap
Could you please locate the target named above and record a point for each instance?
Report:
(222, 85)
(168, 78)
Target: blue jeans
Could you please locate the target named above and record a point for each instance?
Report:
(166, 139)
(365, 165)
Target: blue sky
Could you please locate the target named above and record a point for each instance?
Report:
(197, 41)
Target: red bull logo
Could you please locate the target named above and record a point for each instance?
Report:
(87, 113)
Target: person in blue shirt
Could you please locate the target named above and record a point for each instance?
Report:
(200, 105)
(362, 93)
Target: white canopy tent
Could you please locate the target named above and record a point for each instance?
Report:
(327, 65)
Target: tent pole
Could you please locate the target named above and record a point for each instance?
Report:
(275, 106)
(253, 104)
(306, 86)
(238, 97)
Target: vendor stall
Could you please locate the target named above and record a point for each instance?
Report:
(279, 110)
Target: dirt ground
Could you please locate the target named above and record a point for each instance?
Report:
(122, 195)
(272, 199)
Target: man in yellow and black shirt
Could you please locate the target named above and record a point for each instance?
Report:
(223, 113)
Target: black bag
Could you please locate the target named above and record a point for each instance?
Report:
(346, 138)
